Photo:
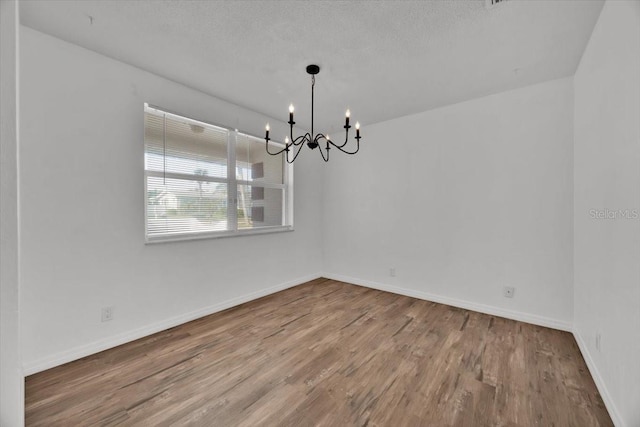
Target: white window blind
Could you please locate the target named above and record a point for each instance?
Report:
(190, 191)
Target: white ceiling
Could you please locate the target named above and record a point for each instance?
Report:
(383, 59)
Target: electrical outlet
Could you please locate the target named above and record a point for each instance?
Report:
(508, 291)
(107, 314)
(598, 338)
(392, 272)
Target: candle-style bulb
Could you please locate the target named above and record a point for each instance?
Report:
(348, 113)
(267, 127)
(291, 122)
(286, 140)
(358, 125)
(327, 138)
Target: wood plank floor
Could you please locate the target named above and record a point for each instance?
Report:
(331, 354)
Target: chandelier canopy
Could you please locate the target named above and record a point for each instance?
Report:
(312, 141)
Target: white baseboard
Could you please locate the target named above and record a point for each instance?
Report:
(597, 378)
(79, 352)
(468, 305)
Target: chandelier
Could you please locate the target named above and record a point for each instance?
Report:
(313, 142)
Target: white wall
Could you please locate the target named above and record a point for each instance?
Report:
(82, 218)
(607, 176)
(11, 378)
(463, 200)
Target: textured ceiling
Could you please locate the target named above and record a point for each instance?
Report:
(382, 59)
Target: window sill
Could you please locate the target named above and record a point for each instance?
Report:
(217, 235)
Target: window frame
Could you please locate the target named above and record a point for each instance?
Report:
(232, 184)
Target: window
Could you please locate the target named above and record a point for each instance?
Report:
(208, 181)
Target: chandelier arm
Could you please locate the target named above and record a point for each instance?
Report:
(286, 147)
(346, 137)
(295, 156)
(322, 155)
(316, 140)
(295, 140)
(339, 147)
(326, 159)
(301, 139)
